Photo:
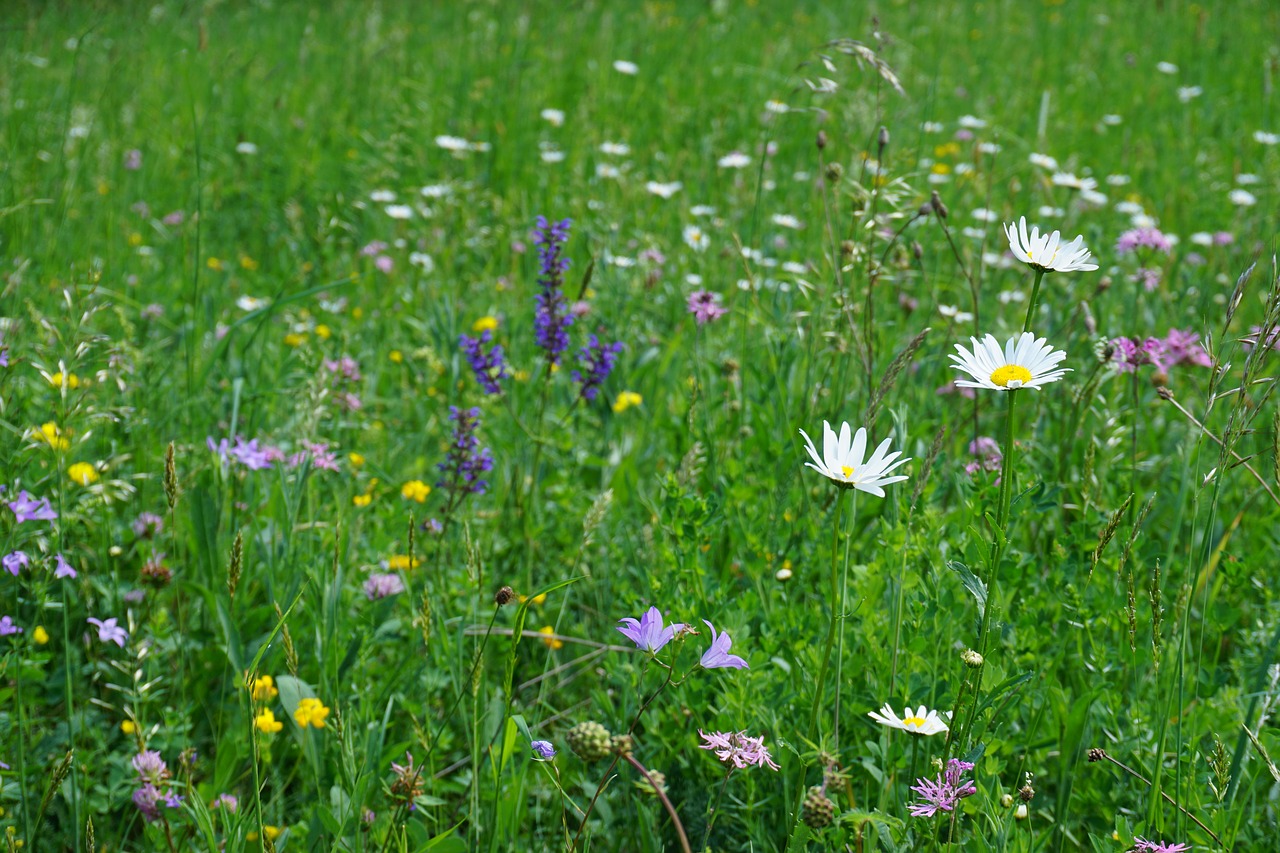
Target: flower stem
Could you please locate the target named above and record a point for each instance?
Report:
(715, 809)
(834, 598)
(1031, 306)
(662, 795)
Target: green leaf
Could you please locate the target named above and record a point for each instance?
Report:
(972, 583)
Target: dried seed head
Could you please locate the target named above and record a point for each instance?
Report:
(821, 139)
(1097, 754)
(504, 596)
(834, 172)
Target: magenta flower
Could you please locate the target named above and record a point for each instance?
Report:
(648, 633)
(62, 569)
(109, 631)
(228, 802)
(147, 525)
(944, 793)
(705, 306)
(718, 656)
(150, 767)
(15, 562)
(1142, 845)
(1143, 238)
(382, 586)
(737, 750)
(27, 508)
(7, 627)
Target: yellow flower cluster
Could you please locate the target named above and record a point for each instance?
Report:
(400, 562)
(415, 490)
(311, 712)
(264, 689)
(83, 473)
(267, 723)
(626, 400)
(50, 435)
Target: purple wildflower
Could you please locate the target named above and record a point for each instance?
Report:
(1148, 277)
(7, 627)
(373, 248)
(226, 801)
(15, 562)
(62, 569)
(1142, 845)
(489, 367)
(987, 455)
(147, 799)
(648, 633)
(705, 306)
(717, 655)
(1270, 339)
(945, 792)
(737, 749)
(133, 160)
(552, 320)
(345, 369)
(597, 361)
(382, 586)
(1143, 238)
(109, 631)
(543, 750)
(147, 525)
(175, 218)
(4, 354)
(432, 526)
(27, 508)
(153, 311)
(317, 454)
(150, 767)
(467, 460)
(1223, 238)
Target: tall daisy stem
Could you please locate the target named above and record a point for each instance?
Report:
(1035, 296)
(834, 597)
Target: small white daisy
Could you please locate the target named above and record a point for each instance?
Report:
(423, 261)
(1117, 180)
(932, 127)
(1266, 138)
(702, 210)
(696, 238)
(247, 148)
(776, 107)
(1044, 161)
(1187, 94)
(608, 170)
(436, 190)
(665, 190)
(1166, 68)
(615, 149)
(1243, 198)
(1025, 362)
(1202, 238)
(1111, 119)
(553, 117)
(982, 214)
(972, 122)
(786, 220)
(921, 721)
(452, 143)
(382, 196)
(399, 211)
(622, 66)
(1047, 252)
(734, 160)
(842, 460)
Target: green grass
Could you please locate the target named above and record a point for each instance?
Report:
(697, 500)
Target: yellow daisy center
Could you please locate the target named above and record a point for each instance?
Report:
(914, 722)
(847, 470)
(1002, 376)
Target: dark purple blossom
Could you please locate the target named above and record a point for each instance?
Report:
(467, 460)
(489, 367)
(553, 318)
(596, 362)
(945, 792)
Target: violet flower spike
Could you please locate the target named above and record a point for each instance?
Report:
(648, 633)
(552, 318)
(597, 361)
(718, 657)
(489, 367)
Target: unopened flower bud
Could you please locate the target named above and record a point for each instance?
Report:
(1097, 753)
(883, 139)
(834, 173)
(971, 658)
(935, 201)
(822, 139)
(917, 251)
(1006, 800)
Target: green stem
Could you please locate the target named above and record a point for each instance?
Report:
(1035, 295)
(715, 809)
(820, 686)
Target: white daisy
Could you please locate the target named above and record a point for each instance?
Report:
(734, 160)
(608, 171)
(622, 66)
(1166, 68)
(553, 117)
(696, 238)
(842, 460)
(399, 211)
(436, 190)
(786, 220)
(932, 127)
(381, 196)
(1266, 138)
(452, 143)
(250, 303)
(1025, 362)
(665, 190)
(972, 122)
(776, 107)
(1047, 252)
(1068, 179)
(982, 214)
(1202, 238)
(551, 155)
(1093, 197)
(1243, 198)
(1186, 94)
(247, 148)
(1246, 178)
(422, 260)
(1044, 161)
(1117, 180)
(989, 148)
(702, 210)
(1128, 208)
(615, 149)
(921, 721)
(1111, 119)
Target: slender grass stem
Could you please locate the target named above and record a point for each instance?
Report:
(820, 686)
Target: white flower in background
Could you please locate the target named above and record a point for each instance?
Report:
(423, 261)
(622, 66)
(921, 721)
(982, 214)
(1243, 198)
(1244, 179)
(786, 220)
(800, 176)
(382, 196)
(1202, 238)
(1266, 138)
(1048, 212)
(1007, 296)
(1111, 119)
(555, 118)
(964, 168)
(702, 210)
(1187, 94)
(938, 179)
(693, 278)
(1090, 196)
(1117, 180)
(843, 461)
(615, 149)
(436, 191)
(250, 303)
(795, 268)
(973, 233)
(696, 238)
(453, 143)
(665, 190)
(953, 312)
(989, 148)
(399, 211)
(247, 148)
(972, 122)
(776, 107)
(1068, 179)
(551, 154)
(1128, 208)
(932, 127)
(1047, 252)
(1142, 220)
(608, 171)
(1166, 68)
(734, 160)
(479, 146)
(1044, 161)
(620, 261)
(1025, 362)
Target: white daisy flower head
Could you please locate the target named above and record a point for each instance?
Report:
(786, 220)
(734, 160)
(1025, 361)
(972, 122)
(932, 127)
(695, 238)
(623, 66)
(382, 196)
(1186, 94)
(452, 143)
(921, 721)
(555, 118)
(615, 149)
(399, 211)
(1047, 252)
(843, 460)
(1128, 208)
(776, 107)
(1044, 161)
(1243, 198)
(1266, 138)
(247, 148)
(1166, 68)
(608, 171)
(664, 190)
(1111, 119)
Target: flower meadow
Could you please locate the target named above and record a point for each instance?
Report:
(639, 427)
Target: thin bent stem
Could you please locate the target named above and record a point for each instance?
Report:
(820, 687)
(662, 795)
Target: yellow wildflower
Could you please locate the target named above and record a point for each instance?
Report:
(213, 263)
(940, 169)
(50, 435)
(357, 313)
(272, 832)
(484, 324)
(135, 239)
(83, 473)
(311, 712)
(128, 727)
(294, 339)
(396, 356)
(323, 332)
(264, 689)
(73, 381)
(267, 723)
(537, 599)
(362, 500)
(522, 376)
(248, 263)
(355, 459)
(550, 638)
(626, 400)
(400, 562)
(415, 490)
(40, 635)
